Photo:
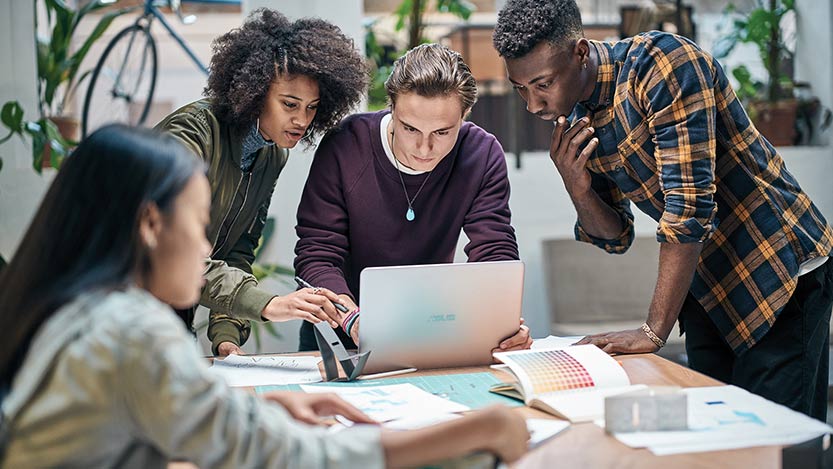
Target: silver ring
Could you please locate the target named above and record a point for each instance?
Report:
(316, 290)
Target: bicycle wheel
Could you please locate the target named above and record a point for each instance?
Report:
(121, 86)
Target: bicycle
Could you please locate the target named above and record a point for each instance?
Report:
(124, 79)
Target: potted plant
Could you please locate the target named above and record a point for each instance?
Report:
(771, 104)
(59, 64)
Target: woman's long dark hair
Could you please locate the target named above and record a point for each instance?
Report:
(85, 234)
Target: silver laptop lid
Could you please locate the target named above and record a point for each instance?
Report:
(438, 315)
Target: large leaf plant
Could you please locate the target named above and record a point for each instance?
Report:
(59, 75)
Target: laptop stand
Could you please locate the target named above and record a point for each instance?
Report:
(332, 349)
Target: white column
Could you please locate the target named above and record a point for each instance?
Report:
(21, 189)
(814, 52)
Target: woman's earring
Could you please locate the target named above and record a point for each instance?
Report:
(585, 65)
(257, 122)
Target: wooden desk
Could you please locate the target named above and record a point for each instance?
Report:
(585, 445)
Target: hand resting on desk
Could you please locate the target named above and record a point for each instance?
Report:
(496, 429)
(629, 341)
(309, 408)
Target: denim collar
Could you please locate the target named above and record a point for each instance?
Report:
(252, 142)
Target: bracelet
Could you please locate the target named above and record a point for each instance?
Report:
(347, 325)
(349, 318)
(654, 338)
(349, 329)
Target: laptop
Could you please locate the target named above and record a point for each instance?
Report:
(438, 315)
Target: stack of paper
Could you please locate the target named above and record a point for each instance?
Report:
(246, 370)
(728, 417)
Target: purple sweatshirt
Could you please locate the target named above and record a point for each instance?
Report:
(352, 211)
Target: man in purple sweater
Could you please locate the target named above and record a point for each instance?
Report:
(397, 188)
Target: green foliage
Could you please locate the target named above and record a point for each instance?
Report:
(762, 26)
(381, 61)
(747, 87)
(408, 14)
(43, 133)
(58, 78)
(58, 63)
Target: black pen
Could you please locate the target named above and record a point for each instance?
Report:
(304, 284)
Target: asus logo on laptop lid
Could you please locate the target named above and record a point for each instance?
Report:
(442, 317)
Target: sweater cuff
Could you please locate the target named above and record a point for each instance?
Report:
(250, 302)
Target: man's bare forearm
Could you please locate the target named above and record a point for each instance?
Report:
(596, 217)
(677, 263)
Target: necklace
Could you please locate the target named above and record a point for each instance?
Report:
(410, 215)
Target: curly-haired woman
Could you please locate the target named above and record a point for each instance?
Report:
(273, 83)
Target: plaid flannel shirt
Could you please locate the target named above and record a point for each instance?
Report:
(675, 140)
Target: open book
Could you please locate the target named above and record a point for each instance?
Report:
(569, 382)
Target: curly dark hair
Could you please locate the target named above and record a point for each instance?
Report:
(246, 60)
(522, 24)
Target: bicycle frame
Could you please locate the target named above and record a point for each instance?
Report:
(152, 11)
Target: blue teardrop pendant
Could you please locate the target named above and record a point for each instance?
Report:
(410, 215)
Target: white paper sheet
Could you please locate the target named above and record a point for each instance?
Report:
(397, 401)
(248, 370)
(555, 342)
(728, 417)
(413, 423)
(541, 430)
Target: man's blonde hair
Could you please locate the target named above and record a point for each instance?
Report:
(431, 70)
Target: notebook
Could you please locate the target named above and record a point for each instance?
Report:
(570, 382)
(438, 315)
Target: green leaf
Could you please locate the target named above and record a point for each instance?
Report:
(460, 8)
(38, 148)
(402, 13)
(724, 46)
(58, 144)
(12, 117)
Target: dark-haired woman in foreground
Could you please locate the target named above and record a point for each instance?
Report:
(273, 83)
(99, 372)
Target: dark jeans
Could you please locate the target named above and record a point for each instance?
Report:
(307, 343)
(789, 365)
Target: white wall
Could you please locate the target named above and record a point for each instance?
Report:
(21, 189)
(814, 58)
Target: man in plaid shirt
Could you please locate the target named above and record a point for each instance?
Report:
(655, 121)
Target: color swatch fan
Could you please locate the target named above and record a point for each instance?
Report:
(571, 382)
